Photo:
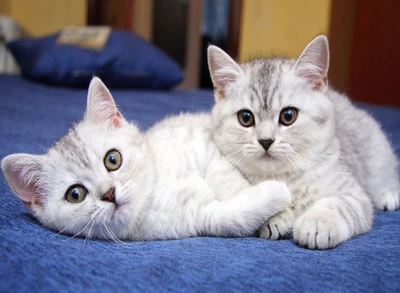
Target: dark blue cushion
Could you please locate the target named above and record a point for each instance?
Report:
(127, 60)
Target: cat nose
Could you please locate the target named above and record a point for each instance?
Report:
(109, 196)
(266, 143)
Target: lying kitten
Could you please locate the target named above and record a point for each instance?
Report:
(106, 179)
(277, 119)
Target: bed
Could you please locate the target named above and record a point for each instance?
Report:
(35, 259)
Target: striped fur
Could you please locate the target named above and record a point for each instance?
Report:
(335, 159)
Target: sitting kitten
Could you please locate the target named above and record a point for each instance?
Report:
(106, 179)
(277, 119)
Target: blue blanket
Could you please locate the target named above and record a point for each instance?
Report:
(35, 259)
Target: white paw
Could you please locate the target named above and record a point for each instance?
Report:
(279, 226)
(321, 229)
(272, 198)
(277, 193)
(389, 201)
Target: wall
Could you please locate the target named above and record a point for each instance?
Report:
(281, 27)
(40, 17)
(341, 35)
(284, 27)
(4, 6)
(142, 18)
(375, 58)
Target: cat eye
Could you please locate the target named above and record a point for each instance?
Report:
(76, 193)
(288, 116)
(112, 160)
(246, 118)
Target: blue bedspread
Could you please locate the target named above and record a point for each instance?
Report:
(35, 259)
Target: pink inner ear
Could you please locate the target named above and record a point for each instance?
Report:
(28, 194)
(314, 62)
(317, 82)
(25, 191)
(223, 69)
(22, 172)
(101, 107)
(117, 119)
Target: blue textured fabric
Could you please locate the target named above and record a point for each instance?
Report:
(127, 60)
(35, 259)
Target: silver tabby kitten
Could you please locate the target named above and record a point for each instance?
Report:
(277, 119)
(106, 179)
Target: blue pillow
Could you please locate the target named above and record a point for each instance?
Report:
(126, 60)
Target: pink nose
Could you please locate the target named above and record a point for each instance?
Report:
(109, 196)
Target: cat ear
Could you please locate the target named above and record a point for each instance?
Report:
(22, 173)
(101, 106)
(313, 63)
(223, 69)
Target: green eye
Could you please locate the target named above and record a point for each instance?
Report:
(112, 160)
(288, 116)
(76, 193)
(246, 118)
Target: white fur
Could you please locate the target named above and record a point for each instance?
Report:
(334, 158)
(173, 181)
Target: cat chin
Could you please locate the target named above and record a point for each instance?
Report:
(269, 166)
(120, 214)
(264, 164)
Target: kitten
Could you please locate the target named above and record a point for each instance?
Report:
(106, 179)
(277, 119)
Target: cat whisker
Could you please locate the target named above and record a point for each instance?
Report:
(93, 218)
(76, 234)
(295, 157)
(239, 159)
(236, 157)
(106, 233)
(27, 140)
(233, 144)
(233, 154)
(130, 175)
(66, 228)
(103, 233)
(127, 243)
(114, 238)
(91, 227)
(291, 160)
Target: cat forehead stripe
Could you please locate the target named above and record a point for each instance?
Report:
(71, 147)
(265, 77)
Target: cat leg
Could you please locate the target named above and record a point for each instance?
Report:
(383, 176)
(332, 220)
(384, 187)
(242, 214)
(381, 166)
(279, 226)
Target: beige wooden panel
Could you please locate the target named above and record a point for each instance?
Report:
(281, 26)
(40, 17)
(142, 18)
(4, 6)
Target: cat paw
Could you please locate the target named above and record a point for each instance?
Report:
(279, 226)
(389, 201)
(275, 196)
(319, 230)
